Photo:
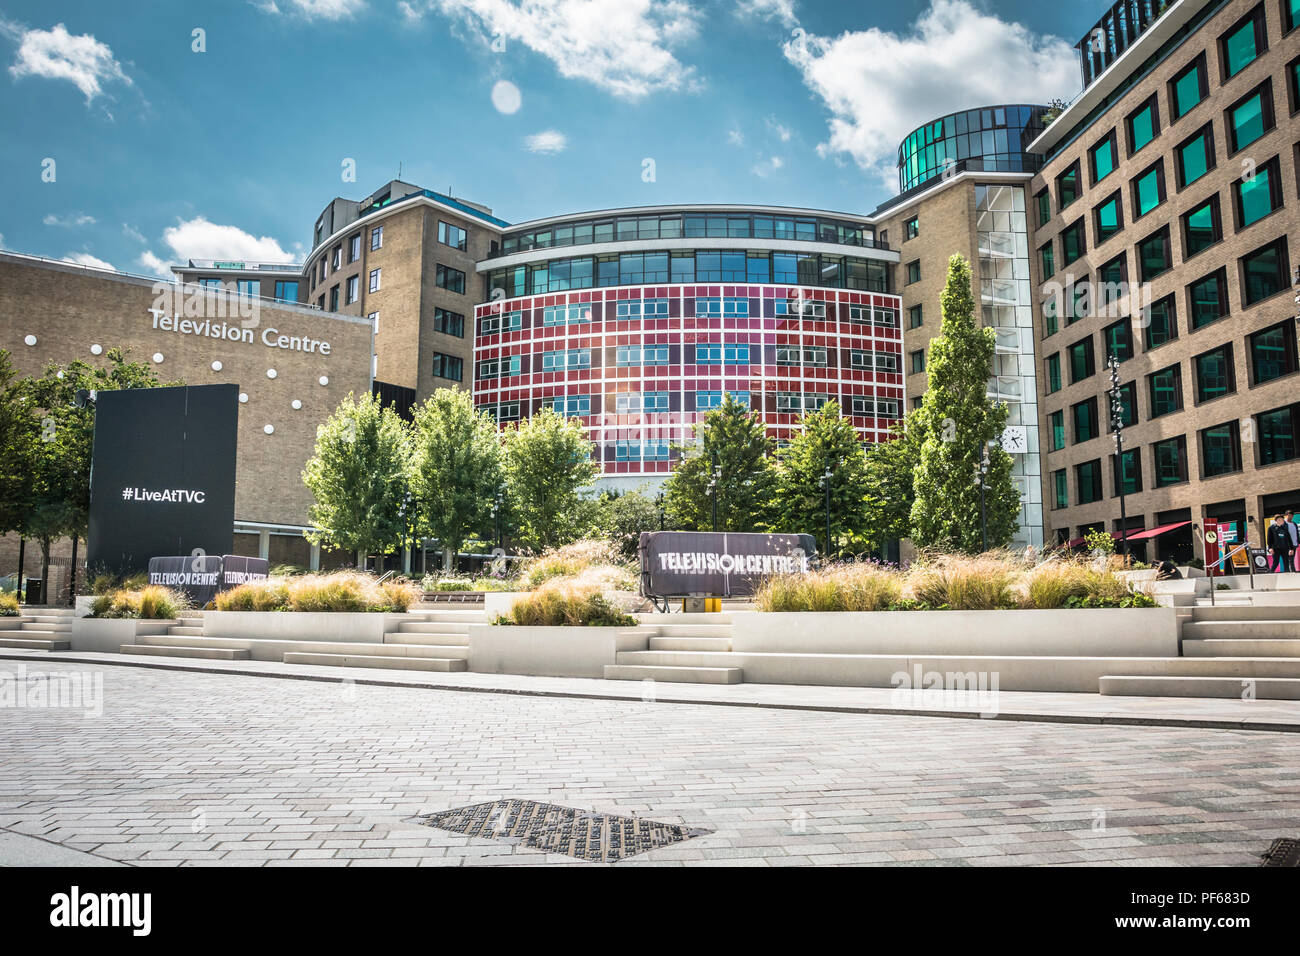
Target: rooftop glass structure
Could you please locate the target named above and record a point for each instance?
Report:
(991, 139)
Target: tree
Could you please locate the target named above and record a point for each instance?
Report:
(825, 439)
(61, 467)
(359, 475)
(728, 466)
(456, 470)
(19, 434)
(891, 468)
(622, 516)
(548, 462)
(959, 423)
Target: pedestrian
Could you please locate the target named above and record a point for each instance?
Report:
(1279, 543)
(1295, 535)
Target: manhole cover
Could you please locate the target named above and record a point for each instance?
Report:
(1283, 852)
(599, 837)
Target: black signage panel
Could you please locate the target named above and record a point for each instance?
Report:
(162, 475)
(718, 564)
(201, 576)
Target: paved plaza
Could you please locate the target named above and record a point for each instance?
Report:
(195, 768)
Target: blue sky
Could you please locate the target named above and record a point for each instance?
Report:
(162, 152)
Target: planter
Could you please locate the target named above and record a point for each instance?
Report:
(83, 602)
(109, 634)
(549, 651)
(1101, 632)
(496, 603)
(360, 627)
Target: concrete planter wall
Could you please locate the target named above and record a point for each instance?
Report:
(496, 603)
(1103, 632)
(109, 634)
(360, 627)
(549, 651)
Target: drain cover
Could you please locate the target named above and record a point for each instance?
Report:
(1283, 852)
(597, 837)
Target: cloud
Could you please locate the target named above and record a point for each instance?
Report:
(622, 46)
(315, 9)
(2, 240)
(71, 221)
(879, 86)
(198, 238)
(86, 259)
(154, 266)
(765, 167)
(548, 141)
(736, 138)
(782, 11)
(131, 232)
(58, 55)
(782, 132)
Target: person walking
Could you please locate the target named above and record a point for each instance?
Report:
(1289, 521)
(1279, 543)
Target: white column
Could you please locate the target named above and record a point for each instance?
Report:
(315, 557)
(264, 544)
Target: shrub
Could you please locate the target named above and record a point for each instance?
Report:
(565, 603)
(340, 591)
(337, 591)
(8, 604)
(864, 586)
(153, 602)
(965, 583)
(267, 595)
(287, 570)
(574, 559)
(398, 594)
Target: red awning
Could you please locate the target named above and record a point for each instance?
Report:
(1155, 532)
(1078, 541)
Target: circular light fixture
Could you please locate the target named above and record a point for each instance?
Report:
(296, 404)
(157, 358)
(269, 429)
(96, 349)
(216, 366)
(243, 398)
(324, 379)
(31, 340)
(59, 376)
(271, 373)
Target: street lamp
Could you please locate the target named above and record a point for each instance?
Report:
(1117, 424)
(715, 476)
(826, 484)
(981, 482)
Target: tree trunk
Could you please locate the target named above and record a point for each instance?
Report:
(361, 559)
(22, 561)
(446, 561)
(45, 571)
(72, 575)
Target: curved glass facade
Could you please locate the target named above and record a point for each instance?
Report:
(989, 139)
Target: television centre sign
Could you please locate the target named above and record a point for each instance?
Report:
(225, 332)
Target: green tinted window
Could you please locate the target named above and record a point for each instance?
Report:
(1103, 159)
(1194, 159)
(1048, 258)
(1221, 451)
(1239, 48)
(1054, 373)
(1058, 430)
(1247, 122)
(1202, 228)
(1291, 13)
(1044, 207)
(1150, 191)
(1166, 392)
(1272, 353)
(1142, 127)
(1187, 90)
(1170, 456)
(1209, 300)
(1264, 274)
(1161, 323)
(1085, 421)
(1255, 197)
(1128, 472)
(1119, 340)
(1214, 374)
(1062, 489)
(1153, 254)
(1108, 222)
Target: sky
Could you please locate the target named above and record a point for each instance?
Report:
(137, 134)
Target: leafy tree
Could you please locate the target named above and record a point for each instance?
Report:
(19, 433)
(733, 441)
(621, 517)
(548, 462)
(61, 466)
(456, 469)
(359, 475)
(825, 439)
(891, 467)
(959, 423)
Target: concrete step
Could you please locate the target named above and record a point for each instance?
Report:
(41, 617)
(189, 622)
(690, 643)
(675, 675)
(208, 653)
(437, 627)
(1259, 629)
(36, 643)
(676, 658)
(1261, 612)
(1241, 647)
(280, 648)
(452, 617)
(447, 639)
(693, 630)
(719, 618)
(391, 663)
(49, 627)
(185, 631)
(1263, 688)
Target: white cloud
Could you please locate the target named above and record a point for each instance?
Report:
(548, 141)
(198, 238)
(782, 11)
(765, 167)
(86, 259)
(316, 9)
(782, 132)
(880, 86)
(56, 54)
(131, 232)
(736, 138)
(2, 240)
(622, 46)
(155, 266)
(71, 221)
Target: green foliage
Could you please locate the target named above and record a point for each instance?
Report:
(1101, 541)
(824, 439)
(863, 586)
(8, 604)
(19, 445)
(338, 591)
(359, 477)
(733, 440)
(562, 603)
(456, 469)
(958, 421)
(153, 602)
(890, 469)
(548, 462)
(595, 561)
(620, 517)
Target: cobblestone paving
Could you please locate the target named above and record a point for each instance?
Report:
(209, 769)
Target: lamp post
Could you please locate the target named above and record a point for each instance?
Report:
(1117, 424)
(826, 484)
(981, 482)
(715, 475)
(659, 503)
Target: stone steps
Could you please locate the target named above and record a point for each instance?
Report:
(693, 630)
(1256, 628)
(447, 617)
(460, 639)
(184, 631)
(656, 620)
(48, 627)
(391, 663)
(172, 650)
(675, 675)
(1259, 612)
(436, 627)
(1241, 647)
(279, 648)
(690, 643)
(36, 643)
(1264, 688)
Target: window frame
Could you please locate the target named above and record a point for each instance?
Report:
(1152, 103)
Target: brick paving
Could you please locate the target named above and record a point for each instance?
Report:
(215, 769)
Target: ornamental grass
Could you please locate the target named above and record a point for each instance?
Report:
(153, 602)
(337, 591)
(571, 560)
(566, 602)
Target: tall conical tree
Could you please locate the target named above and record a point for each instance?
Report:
(958, 421)
(734, 440)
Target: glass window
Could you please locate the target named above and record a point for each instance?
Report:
(1073, 243)
(1208, 299)
(1165, 391)
(1128, 406)
(1044, 207)
(448, 366)
(1112, 282)
(454, 236)
(1054, 372)
(1194, 157)
(1056, 422)
(1188, 88)
(1048, 261)
(354, 248)
(1251, 117)
(916, 361)
(1265, 272)
(1247, 39)
(1149, 189)
(1126, 472)
(352, 289)
(1067, 186)
(914, 271)
(1062, 496)
(911, 228)
(1087, 479)
(1170, 458)
(1108, 218)
(1051, 306)
(1154, 255)
(1273, 352)
(453, 280)
(1084, 415)
(286, 291)
(449, 323)
(1103, 158)
(1201, 227)
(1276, 435)
(375, 279)
(1214, 373)
(1119, 339)
(1082, 362)
(1143, 126)
(1220, 450)
(1257, 196)
(914, 317)
(1290, 15)
(250, 288)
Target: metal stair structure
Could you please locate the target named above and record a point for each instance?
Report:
(38, 629)
(684, 649)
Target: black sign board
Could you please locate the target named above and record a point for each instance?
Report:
(717, 564)
(162, 475)
(1258, 560)
(201, 576)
